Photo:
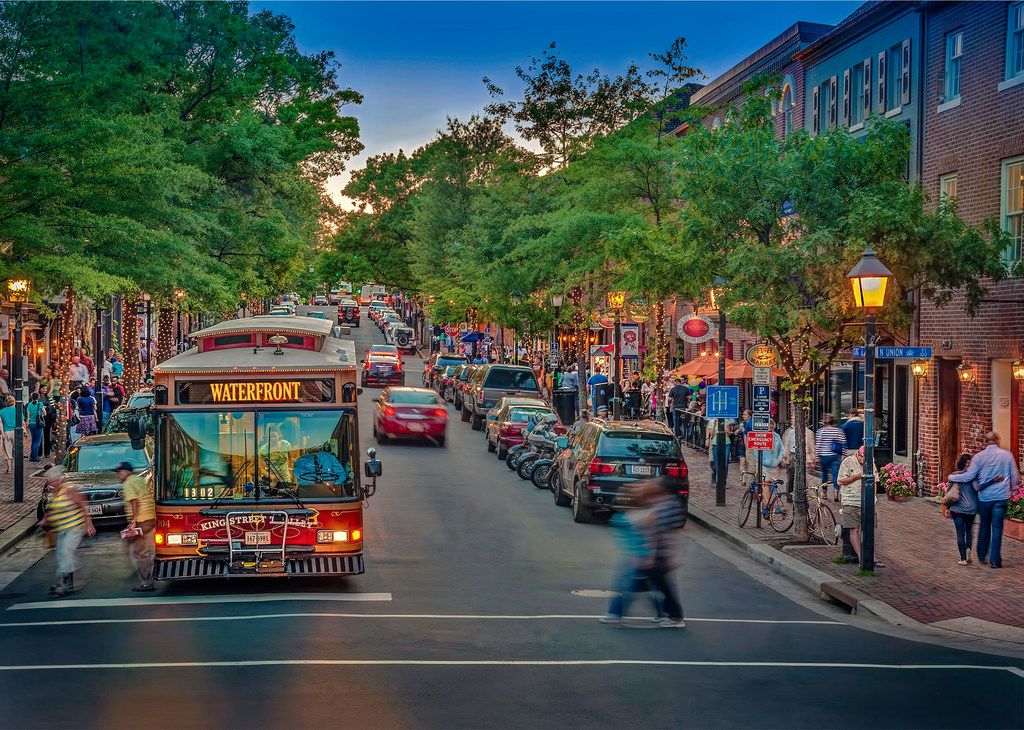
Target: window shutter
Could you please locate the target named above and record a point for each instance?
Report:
(833, 101)
(816, 110)
(846, 97)
(905, 76)
(867, 88)
(881, 82)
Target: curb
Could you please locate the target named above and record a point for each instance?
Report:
(14, 534)
(822, 584)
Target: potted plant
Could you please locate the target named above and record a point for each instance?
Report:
(1013, 527)
(897, 482)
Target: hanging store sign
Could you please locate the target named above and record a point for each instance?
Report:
(762, 356)
(695, 329)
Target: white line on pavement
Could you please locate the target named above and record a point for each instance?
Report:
(431, 616)
(507, 663)
(177, 600)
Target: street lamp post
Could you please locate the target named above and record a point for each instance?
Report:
(616, 300)
(18, 291)
(557, 300)
(919, 369)
(869, 279)
(720, 465)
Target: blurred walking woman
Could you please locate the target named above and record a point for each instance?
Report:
(67, 516)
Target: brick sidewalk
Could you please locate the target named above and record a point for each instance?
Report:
(11, 511)
(917, 545)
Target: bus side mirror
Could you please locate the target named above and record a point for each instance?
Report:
(136, 428)
(562, 442)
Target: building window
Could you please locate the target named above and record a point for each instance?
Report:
(947, 186)
(894, 77)
(825, 106)
(954, 49)
(1015, 42)
(857, 88)
(787, 110)
(1013, 207)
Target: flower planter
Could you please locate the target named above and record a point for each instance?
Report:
(1013, 529)
(900, 497)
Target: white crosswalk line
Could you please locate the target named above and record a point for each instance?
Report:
(185, 600)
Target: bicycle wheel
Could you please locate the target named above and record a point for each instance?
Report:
(744, 514)
(780, 513)
(826, 525)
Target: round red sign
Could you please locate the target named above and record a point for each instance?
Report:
(696, 327)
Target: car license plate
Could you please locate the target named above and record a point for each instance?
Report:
(384, 370)
(257, 538)
(95, 509)
(641, 470)
(416, 427)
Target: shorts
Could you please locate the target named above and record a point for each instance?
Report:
(850, 518)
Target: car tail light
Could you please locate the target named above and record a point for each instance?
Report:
(441, 413)
(676, 470)
(599, 467)
(389, 410)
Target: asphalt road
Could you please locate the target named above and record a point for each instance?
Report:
(466, 618)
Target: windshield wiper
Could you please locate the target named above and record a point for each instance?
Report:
(291, 491)
(229, 485)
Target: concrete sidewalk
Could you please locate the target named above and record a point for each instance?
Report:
(12, 513)
(920, 581)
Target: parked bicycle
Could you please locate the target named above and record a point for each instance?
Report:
(778, 511)
(820, 518)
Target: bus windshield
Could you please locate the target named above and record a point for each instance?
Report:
(263, 456)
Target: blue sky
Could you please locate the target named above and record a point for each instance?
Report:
(418, 62)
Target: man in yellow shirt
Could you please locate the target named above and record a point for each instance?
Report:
(140, 508)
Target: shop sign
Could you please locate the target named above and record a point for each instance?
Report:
(629, 347)
(695, 329)
(205, 392)
(762, 356)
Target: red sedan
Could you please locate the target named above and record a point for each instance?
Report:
(416, 413)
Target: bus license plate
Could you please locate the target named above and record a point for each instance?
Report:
(641, 471)
(257, 538)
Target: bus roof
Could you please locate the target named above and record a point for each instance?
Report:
(334, 354)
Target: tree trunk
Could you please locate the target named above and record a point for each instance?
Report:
(165, 332)
(132, 358)
(799, 408)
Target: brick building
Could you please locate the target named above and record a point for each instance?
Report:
(974, 152)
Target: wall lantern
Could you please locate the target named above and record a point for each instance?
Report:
(965, 373)
(919, 368)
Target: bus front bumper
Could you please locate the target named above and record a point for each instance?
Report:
(268, 566)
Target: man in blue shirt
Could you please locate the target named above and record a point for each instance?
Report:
(854, 430)
(593, 381)
(995, 467)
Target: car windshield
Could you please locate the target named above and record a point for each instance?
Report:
(103, 457)
(384, 348)
(522, 415)
(273, 456)
(626, 444)
(140, 400)
(511, 379)
(120, 419)
(414, 397)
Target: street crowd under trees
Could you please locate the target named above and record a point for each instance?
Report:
(593, 194)
(179, 149)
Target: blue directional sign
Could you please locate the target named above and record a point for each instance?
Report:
(896, 353)
(723, 401)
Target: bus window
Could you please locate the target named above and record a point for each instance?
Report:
(209, 456)
(306, 453)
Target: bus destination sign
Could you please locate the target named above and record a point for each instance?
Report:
(205, 392)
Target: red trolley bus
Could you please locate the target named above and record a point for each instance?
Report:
(256, 468)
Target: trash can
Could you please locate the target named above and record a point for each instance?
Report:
(563, 400)
(631, 403)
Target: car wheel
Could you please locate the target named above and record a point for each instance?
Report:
(465, 414)
(440, 441)
(502, 453)
(556, 486)
(491, 447)
(581, 513)
(477, 422)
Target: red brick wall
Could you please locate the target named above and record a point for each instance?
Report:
(971, 140)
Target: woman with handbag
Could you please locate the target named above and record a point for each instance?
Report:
(960, 504)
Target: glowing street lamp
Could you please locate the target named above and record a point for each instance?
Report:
(869, 279)
(1018, 370)
(18, 291)
(919, 368)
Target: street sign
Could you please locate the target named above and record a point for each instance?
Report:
(762, 376)
(761, 401)
(451, 330)
(896, 353)
(761, 422)
(723, 401)
(762, 356)
(760, 441)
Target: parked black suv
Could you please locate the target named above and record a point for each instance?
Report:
(489, 384)
(604, 455)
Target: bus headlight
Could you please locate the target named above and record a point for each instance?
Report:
(183, 538)
(332, 535)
